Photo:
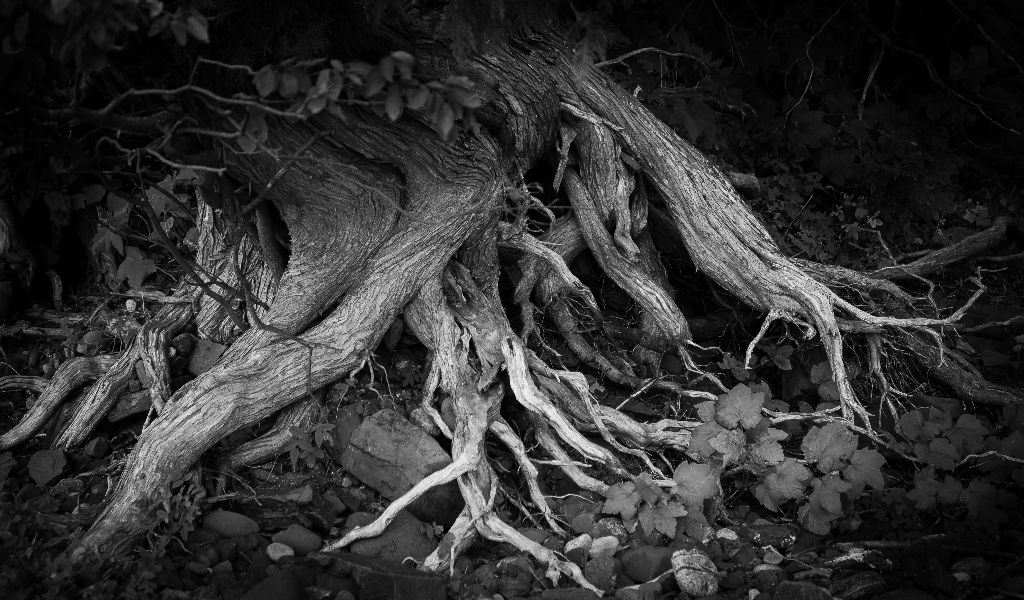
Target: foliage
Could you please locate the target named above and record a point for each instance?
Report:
(307, 446)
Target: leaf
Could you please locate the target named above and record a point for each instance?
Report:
(445, 122)
(968, 436)
(829, 446)
(824, 505)
(666, 517)
(695, 483)
(787, 481)
(46, 465)
(649, 492)
(106, 238)
(288, 84)
(740, 407)
(821, 373)
(135, 267)
(939, 453)
(197, 28)
(700, 440)
(731, 443)
(766, 448)
(393, 104)
(865, 469)
(621, 499)
(706, 411)
(265, 81)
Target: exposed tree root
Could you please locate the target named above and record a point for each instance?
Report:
(383, 218)
(68, 377)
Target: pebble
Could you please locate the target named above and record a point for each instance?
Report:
(230, 524)
(726, 534)
(604, 546)
(277, 551)
(301, 540)
(772, 556)
(644, 563)
(695, 572)
(797, 590)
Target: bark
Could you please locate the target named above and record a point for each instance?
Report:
(384, 218)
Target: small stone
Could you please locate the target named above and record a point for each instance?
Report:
(230, 524)
(578, 548)
(650, 590)
(279, 585)
(604, 546)
(772, 556)
(204, 356)
(223, 566)
(571, 593)
(819, 573)
(865, 584)
(302, 540)
(726, 534)
(534, 534)
(277, 551)
(733, 580)
(695, 572)
(610, 526)
(97, 447)
(645, 563)
(600, 571)
(745, 556)
(770, 534)
(799, 590)
(515, 576)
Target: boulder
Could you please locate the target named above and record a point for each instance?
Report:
(406, 536)
(391, 455)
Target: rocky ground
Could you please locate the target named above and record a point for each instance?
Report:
(256, 534)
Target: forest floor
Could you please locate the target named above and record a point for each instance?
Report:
(254, 533)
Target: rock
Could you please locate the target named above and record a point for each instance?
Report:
(183, 344)
(906, 594)
(610, 526)
(766, 577)
(279, 585)
(865, 584)
(644, 563)
(695, 572)
(600, 571)
(650, 590)
(277, 551)
(515, 576)
(573, 593)
(345, 425)
(97, 447)
(204, 356)
(407, 536)
(772, 556)
(302, 540)
(578, 548)
(391, 455)
(733, 580)
(745, 555)
(534, 534)
(230, 524)
(726, 534)
(770, 534)
(201, 539)
(799, 590)
(383, 580)
(604, 546)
